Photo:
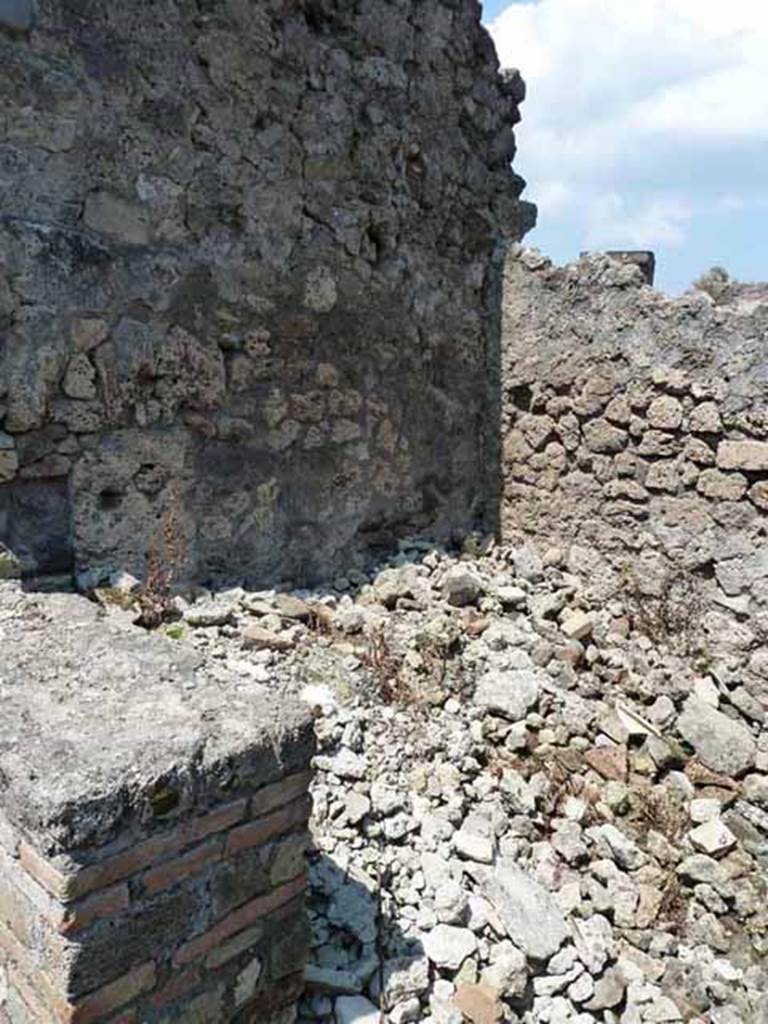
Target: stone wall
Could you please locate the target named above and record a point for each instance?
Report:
(635, 431)
(153, 816)
(249, 273)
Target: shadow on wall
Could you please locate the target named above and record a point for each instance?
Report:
(195, 509)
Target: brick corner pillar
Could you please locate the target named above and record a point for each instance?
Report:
(153, 828)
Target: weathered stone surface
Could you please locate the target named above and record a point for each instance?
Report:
(758, 492)
(449, 946)
(530, 916)
(722, 744)
(665, 413)
(511, 694)
(748, 455)
(300, 294)
(705, 419)
(461, 588)
(480, 1004)
(660, 407)
(356, 1010)
(608, 761)
(9, 464)
(576, 624)
(713, 838)
(722, 486)
(91, 705)
(602, 437)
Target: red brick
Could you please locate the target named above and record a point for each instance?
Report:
(72, 885)
(179, 985)
(107, 903)
(93, 1008)
(189, 864)
(257, 832)
(239, 919)
(42, 870)
(280, 793)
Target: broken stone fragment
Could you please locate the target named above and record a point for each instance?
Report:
(665, 413)
(510, 694)
(448, 946)
(609, 991)
(480, 1004)
(356, 807)
(758, 494)
(356, 1010)
(613, 843)
(721, 486)
(608, 761)
(210, 613)
(80, 378)
(577, 624)
(748, 455)
(713, 838)
(705, 419)
(329, 979)
(722, 744)
(290, 607)
(257, 638)
(461, 587)
(405, 977)
(530, 916)
(9, 462)
(602, 437)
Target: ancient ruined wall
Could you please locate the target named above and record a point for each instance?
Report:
(635, 435)
(249, 267)
(153, 813)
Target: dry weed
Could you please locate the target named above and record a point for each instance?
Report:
(164, 559)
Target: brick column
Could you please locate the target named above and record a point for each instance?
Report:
(152, 865)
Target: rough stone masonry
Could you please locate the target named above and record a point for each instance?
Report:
(636, 438)
(250, 261)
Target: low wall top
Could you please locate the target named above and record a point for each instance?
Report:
(106, 729)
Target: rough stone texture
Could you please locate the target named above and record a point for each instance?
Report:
(156, 715)
(722, 744)
(153, 823)
(249, 277)
(653, 476)
(528, 913)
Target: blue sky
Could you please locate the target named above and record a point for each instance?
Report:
(646, 126)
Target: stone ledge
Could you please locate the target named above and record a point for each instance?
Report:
(100, 724)
(153, 823)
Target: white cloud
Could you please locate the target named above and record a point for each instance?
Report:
(640, 115)
(648, 223)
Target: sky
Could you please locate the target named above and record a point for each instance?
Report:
(645, 126)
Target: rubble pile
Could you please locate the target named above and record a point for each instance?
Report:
(526, 808)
